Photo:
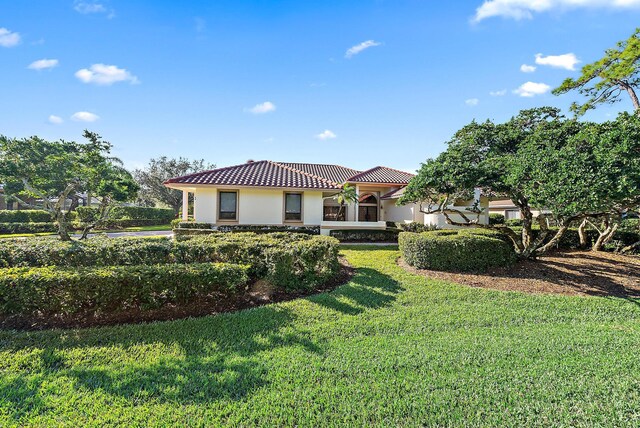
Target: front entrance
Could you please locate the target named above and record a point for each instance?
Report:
(368, 208)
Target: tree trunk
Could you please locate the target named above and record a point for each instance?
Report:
(632, 95)
(605, 237)
(553, 242)
(583, 234)
(63, 226)
(630, 248)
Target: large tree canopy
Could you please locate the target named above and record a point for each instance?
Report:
(538, 159)
(54, 172)
(159, 170)
(604, 80)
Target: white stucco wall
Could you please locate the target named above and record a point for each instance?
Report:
(439, 220)
(401, 214)
(205, 205)
(257, 206)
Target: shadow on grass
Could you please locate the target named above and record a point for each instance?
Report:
(368, 289)
(220, 357)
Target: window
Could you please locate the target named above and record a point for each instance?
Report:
(228, 206)
(334, 213)
(293, 206)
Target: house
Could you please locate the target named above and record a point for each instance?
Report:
(509, 210)
(296, 194)
(268, 193)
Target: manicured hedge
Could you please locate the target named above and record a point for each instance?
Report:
(8, 228)
(495, 218)
(66, 291)
(414, 226)
(206, 227)
(125, 216)
(360, 235)
(290, 260)
(24, 216)
(462, 252)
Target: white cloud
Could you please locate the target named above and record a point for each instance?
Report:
(355, 50)
(531, 89)
(102, 74)
(566, 61)
(500, 93)
(262, 108)
(9, 39)
(43, 64)
(326, 135)
(472, 102)
(89, 7)
(525, 68)
(55, 119)
(525, 9)
(84, 116)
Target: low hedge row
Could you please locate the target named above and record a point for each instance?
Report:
(288, 260)
(311, 230)
(66, 291)
(9, 228)
(160, 215)
(454, 251)
(359, 235)
(24, 216)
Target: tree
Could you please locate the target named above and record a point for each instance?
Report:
(346, 196)
(575, 170)
(58, 171)
(604, 80)
(151, 179)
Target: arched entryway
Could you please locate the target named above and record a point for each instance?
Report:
(368, 207)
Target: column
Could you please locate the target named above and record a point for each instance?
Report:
(185, 205)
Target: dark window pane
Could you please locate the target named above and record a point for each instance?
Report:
(293, 206)
(333, 213)
(228, 204)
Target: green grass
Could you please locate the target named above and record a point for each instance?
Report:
(388, 349)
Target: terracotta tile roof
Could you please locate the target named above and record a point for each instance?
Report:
(394, 194)
(291, 175)
(335, 173)
(257, 174)
(382, 174)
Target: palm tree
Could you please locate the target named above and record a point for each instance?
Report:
(347, 195)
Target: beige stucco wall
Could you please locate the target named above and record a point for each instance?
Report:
(401, 214)
(257, 206)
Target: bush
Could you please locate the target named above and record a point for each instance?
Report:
(9, 228)
(66, 291)
(454, 252)
(311, 230)
(126, 216)
(517, 222)
(290, 260)
(415, 227)
(495, 218)
(193, 225)
(361, 235)
(24, 216)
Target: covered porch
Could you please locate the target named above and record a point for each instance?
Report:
(365, 214)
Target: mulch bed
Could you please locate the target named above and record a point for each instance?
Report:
(570, 273)
(257, 294)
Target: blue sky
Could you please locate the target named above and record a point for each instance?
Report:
(229, 81)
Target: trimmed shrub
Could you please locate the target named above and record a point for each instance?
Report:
(311, 230)
(290, 260)
(361, 235)
(513, 222)
(65, 291)
(10, 228)
(455, 252)
(495, 218)
(126, 216)
(193, 225)
(414, 226)
(24, 216)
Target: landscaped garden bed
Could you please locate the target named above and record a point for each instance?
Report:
(46, 282)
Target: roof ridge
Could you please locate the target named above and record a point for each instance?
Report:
(362, 173)
(305, 173)
(174, 179)
(375, 168)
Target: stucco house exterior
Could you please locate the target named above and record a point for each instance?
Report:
(268, 193)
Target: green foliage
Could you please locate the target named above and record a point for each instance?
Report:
(24, 216)
(461, 252)
(285, 259)
(151, 180)
(495, 218)
(414, 226)
(55, 291)
(193, 225)
(513, 222)
(363, 235)
(125, 216)
(9, 228)
(604, 80)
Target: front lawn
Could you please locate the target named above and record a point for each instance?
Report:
(389, 348)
